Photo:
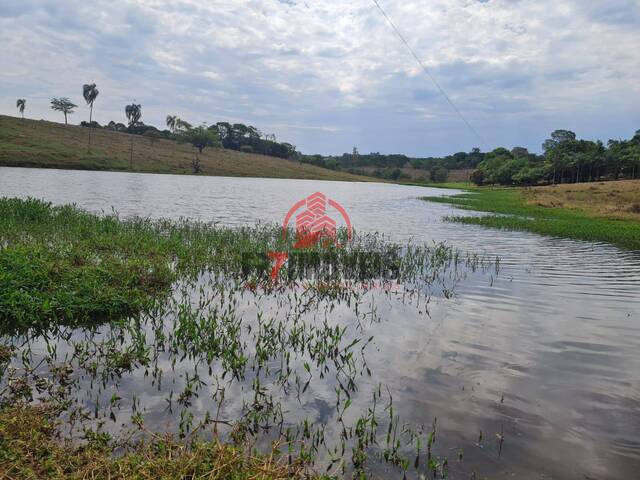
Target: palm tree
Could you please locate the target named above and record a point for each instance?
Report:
(64, 105)
(90, 93)
(133, 113)
(171, 122)
(182, 125)
(21, 103)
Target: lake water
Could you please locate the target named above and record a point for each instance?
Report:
(546, 354)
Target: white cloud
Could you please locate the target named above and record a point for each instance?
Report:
(517, 69)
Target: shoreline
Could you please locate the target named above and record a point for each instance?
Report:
(553, 211)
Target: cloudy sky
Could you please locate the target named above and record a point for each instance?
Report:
(328, 75)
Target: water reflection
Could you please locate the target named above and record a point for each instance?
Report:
(546, 352)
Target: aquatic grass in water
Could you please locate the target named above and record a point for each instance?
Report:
(220, 352)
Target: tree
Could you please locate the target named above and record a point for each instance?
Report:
(623, 157)
(21, 103)
(417, 163)
(477, 177)
(558, 137)
(439, 174)
(182, 126)
(200, 137)
(519, 152)
(506, 168)
(529, 175)
(171, 122)
(331, 164)
(254, 133)
(116, 127)
(90, 93)
(474, 157)
(133, 113)
(554, 151)
(64, 105)
(289, 150)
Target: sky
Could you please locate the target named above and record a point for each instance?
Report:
(330, 75)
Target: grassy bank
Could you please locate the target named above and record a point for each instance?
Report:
(63, 265)
(605, 212)
(30, 143)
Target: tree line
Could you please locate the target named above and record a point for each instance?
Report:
(236, 136)
(566, 159)
(388, 166)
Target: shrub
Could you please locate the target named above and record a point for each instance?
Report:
(439, 174)
(477, 177)
(93, 124)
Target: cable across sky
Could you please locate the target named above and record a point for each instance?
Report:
(426, 70)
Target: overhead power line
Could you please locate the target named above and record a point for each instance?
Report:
(426, 70)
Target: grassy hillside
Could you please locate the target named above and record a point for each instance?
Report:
(33, 143)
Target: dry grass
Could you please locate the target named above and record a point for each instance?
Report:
(602, 199)
(29, 449)
(461, 175)
(32, 143)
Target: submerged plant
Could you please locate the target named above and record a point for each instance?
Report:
(107, 311)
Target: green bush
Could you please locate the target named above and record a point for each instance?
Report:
(439, 174)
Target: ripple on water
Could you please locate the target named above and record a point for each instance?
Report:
(547, 350)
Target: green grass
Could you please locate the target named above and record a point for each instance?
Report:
(514, 213)
(60, 263)
(446, 185)
(29, 449)
(63, 265)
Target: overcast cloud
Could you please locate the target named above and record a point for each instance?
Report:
(330, 75)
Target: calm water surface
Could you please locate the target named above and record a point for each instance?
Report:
(548, 352)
